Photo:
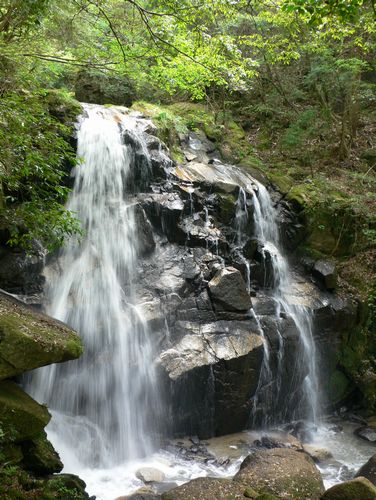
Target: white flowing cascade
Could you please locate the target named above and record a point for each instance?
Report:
(266, 231)
(105, 404)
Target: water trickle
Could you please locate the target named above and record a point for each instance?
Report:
(266, 229)
(108, 389)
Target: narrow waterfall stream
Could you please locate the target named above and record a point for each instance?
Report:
(267, 232)
(148, 321)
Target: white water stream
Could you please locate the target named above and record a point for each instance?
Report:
(106, 403)
(267, 232)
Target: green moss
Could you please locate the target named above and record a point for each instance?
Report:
(40, 457)
(358, 488)
(21, 417)
(226, 208)
(63, 106)
(11, 454)
(31, 340)
(339, 386)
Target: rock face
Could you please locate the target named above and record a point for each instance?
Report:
(21, 273)
(29, 339)
(359, 488)
(212, 374)
(282, 472)
(368, 470)
(228, 290)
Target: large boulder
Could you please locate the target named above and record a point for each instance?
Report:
(212, 373)
(21, 418)
(29, 339)
(228, 290)
(207, 488)
(368, 470)
(282, 472)
(356, 489)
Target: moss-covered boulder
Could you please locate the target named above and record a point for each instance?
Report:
(209, 488)
(40, 457)
(282, 472)
(368, 470)
(21, 418)
(16, 483)
(64, 486)
(356, 489)
(29, 339)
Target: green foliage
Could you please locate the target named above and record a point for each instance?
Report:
(34, 154)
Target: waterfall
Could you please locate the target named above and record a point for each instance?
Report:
(267, 232)
(106, 404)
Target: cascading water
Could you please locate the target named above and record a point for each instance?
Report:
(266, 230)
(106, 404)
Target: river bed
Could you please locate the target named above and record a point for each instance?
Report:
(349, 454)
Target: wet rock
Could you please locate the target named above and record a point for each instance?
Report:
(29, 339)
(164, 212)
(164, 487)
(366, 433)
(282, 472)
(301, 430)
(359, 488)
(279, 441)
(21, 273)
(228, 290)
(212, 372)
(150, 475)
(317, 453)
(146, 243)
(207, 488)
(21, 418)
(325, 272)
(368, 470)
(208, 344)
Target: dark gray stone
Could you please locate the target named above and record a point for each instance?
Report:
(368, 470)
(325, 272)
(228, 289)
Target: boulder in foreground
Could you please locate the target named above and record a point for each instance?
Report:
(356, 489)
(282, 472)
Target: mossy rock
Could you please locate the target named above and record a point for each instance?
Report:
(339, 387)
(282, 472)
(17, 484)
(64, 486)
(208, 488)
(226, 207)
(63, 106)
(21, 418)
(29, 339)
(40, 456)
(356, 489)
